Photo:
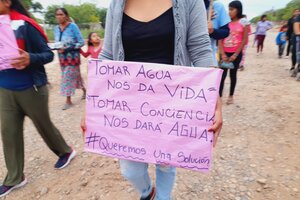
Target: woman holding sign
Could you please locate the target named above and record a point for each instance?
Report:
(158, 31)
(23, 92)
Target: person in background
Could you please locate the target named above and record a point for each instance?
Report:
(94, 46)
(69, 35)
(290, 31)
(261, 30)
(24, 92)
(242, 64)
(218, 25)
(292, 39)
(231, 47)
(281, 41)
(254, 40)
(158, 31)
(297, 46)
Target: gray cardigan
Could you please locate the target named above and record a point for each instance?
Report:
(192, 43)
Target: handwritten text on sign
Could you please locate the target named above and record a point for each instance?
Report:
(151, 112)
(8, 43)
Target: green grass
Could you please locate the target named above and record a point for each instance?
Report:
(84, 32)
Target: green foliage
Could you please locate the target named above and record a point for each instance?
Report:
(32, 7)
(280, 14)
(27, 3)
(36, 7)
(102, 16)
(84, 32)
(84, 13)
(50, 14)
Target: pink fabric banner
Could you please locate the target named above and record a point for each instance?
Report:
(8, 43)
(152, 113)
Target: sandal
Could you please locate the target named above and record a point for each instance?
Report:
(67, 106)
(229, 100)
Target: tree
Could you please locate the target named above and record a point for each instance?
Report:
(33, 7)
(37, 7)
(280, 14)
(84, 13)
(50, 14)
(27, 4)
(102, 16)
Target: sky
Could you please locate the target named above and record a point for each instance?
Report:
(252, 8)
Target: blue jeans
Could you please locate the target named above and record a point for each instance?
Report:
(137, 174)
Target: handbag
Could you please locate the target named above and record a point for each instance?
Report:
(226, 65)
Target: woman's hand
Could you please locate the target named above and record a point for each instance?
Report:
(224, 58)
(61, 50)
(218, 122)
(232, 58)
(83, 125)
(22, 61)
(210, 27)
(213, 15)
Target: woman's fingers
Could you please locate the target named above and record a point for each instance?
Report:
(61, 50)
(22, 61)
(225, 58)
(216, 129)
(18, 63)
(218, 122)
(83, 126)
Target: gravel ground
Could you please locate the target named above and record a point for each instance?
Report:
(257, 156)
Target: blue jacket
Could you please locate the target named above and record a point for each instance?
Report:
(34, 75)
(280, 39)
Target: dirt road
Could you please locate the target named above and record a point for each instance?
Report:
(257, 156)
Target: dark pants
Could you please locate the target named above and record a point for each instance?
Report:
(288, 49)
(260, 42)
(281, 49)
(297, 50)
(294, 52)
(233, 75)
(14, 106)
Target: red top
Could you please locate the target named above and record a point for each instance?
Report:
(91, 52)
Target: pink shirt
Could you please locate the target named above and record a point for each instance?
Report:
(91, 52)
(235, 38)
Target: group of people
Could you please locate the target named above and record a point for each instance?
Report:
(185, 33)
(290, 34)
(69, 36)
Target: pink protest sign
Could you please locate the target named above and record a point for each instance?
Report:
(151, 113)
(8, 43)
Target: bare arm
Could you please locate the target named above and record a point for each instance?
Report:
(84, 54)
(241, 47)
(221, 49)
(218, 123)
(245, 39)
(297, 28)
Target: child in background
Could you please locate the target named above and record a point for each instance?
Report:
(281, 41)
(94, 46)
(231, 47)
